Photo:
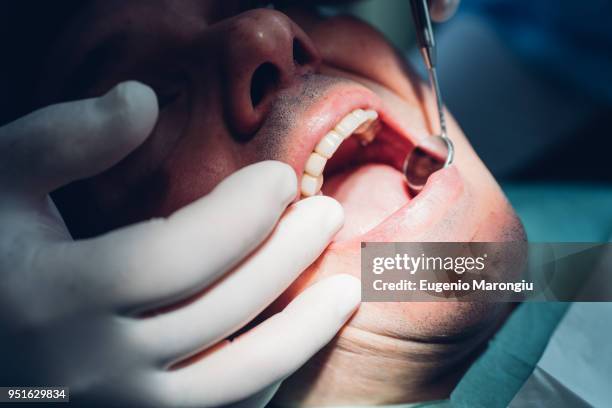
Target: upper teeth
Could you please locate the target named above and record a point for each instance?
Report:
(358, 122)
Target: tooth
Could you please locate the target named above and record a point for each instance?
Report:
(350, 122)
(315, 164)
(329, 144)
(367, 132)
(311, 185)
(371, 114)
(364, 127)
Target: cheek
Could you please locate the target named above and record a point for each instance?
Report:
(195, 167)
(487, 215)
(501, 224)
(356, 47)
(203, 155)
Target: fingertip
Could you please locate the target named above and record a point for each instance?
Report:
(334, 213)
(137, 94)
(443, 10)
(349, 294)
(280, 178)
(133, 109)
(330, 213)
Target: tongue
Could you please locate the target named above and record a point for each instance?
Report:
(369, 194)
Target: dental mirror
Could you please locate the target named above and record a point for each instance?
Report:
(434, 152)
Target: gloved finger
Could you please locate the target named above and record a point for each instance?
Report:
(69, 141)
(297, 241)
(442, 10)
(162, 261)
(271, 351)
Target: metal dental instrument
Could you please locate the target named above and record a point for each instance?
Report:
(437, 151)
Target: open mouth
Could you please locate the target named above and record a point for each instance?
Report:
(358, 162)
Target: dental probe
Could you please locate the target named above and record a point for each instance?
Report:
(427, 45)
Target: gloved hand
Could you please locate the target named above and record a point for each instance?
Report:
(442, 10)
(71, 311)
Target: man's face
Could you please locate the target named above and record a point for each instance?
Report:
(238, 86)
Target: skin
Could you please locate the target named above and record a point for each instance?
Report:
(202, 59)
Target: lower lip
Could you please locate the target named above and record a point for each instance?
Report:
(441, 191)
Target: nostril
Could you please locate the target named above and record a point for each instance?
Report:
(301, 56)
(265, 78)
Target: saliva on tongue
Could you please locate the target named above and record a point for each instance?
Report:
(369, 193)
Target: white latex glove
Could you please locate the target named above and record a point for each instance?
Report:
(442, 10)
(67, 308)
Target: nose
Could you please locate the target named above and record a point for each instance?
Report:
(264, 52)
